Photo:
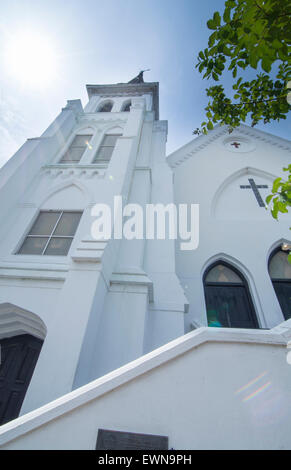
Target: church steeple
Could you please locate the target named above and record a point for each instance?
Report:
(125, 91)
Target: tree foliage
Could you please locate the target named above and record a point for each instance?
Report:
(251, 34)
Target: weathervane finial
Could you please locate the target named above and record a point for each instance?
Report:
(139, 77)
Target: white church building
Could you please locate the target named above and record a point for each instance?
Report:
(136, 343)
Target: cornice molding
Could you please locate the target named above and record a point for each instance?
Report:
(203, 141)
(127, 89)
(92, 118)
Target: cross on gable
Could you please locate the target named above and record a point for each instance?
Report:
(235, 144)
(255, 188)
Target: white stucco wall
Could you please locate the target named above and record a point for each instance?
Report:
(210, 389)
(98, 304)
(233, 228)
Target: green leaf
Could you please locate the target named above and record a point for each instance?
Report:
(216, 18)
(211, 24)
(276, 44)
(226, 15)
(268, 199)
(266, 64)
(276, 185)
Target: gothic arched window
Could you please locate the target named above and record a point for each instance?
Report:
(228, 301)
(106, 107)
(126, 106)
(106, 148)
(77, 148)
(280, 274)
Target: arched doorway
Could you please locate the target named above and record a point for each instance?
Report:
(21, 338)
(227, 296)
(19, 355)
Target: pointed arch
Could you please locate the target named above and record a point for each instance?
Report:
(21, 337)
(278, 243)
(231, 178)
(85, 129)
(16, 321)
(244, 294)
(109, 129)
(72, 182)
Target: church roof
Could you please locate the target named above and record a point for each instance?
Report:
(188, 150)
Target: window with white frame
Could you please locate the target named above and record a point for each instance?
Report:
(51, 234)
(77, 148)
(106, 148)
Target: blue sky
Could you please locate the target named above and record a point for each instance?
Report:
(108, 41)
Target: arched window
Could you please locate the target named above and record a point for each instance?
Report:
(106, 148)
(106, 107)
(77, 148)
(280, 273)
(126, 106)
(228, 301)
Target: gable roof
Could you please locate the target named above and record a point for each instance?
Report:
(195, 145)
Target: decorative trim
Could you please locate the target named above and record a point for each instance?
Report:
(127, 89)
(65, 171)
(89, 251)
(33, 273)
(17, 321)
(134, 279)
(96, 118)
(201, 142)
(205, 141)
(169, 307)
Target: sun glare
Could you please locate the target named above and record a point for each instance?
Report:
(31, 59)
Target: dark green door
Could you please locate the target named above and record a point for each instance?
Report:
(19, 356)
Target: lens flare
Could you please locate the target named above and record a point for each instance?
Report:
(252, 382)
(257, 392)
(30, 58)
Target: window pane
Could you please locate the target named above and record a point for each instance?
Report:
(58, 246)
(104, 153)
(74, 154)
(221, 273)
(110, 140)
(81, 140)
(45, 223)
(283, 291)
(279, 267)
(33, 246)
(68, 224)
(229, 307)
